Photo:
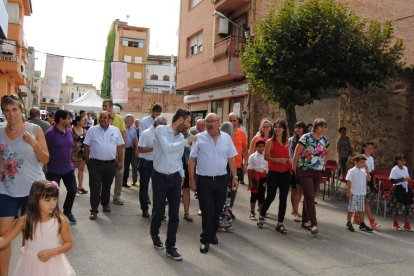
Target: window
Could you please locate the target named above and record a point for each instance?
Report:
(128, 75)
(154, 77)
(127, 58)
(137, 75)
(195, 44)
(194, 3)
(217, 107)
(138, 59)
(135, 43)
(166, 78)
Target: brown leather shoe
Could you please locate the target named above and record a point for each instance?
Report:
(106, 208)
(145, 213)
(93, 216)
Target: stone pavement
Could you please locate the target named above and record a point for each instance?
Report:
(119, 244)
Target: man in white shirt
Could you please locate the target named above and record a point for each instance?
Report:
(146, 157)
(104, 151)
(212, 151)
(168, 177)
(147, 121)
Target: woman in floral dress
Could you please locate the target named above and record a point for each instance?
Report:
(308, 162)
(78, 151)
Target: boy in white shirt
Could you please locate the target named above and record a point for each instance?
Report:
(257, 171)
(357, 178)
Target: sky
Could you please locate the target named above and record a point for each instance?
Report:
(79, 28)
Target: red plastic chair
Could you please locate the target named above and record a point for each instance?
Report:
(385, 192)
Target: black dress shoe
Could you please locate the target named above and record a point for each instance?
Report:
(126, 186)
(145, 213)
(204, 248)
(214, 240)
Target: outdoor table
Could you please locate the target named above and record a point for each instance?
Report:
(331, 168)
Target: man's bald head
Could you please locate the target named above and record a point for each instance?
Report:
(34, 113)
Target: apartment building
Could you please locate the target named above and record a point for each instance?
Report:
(71, 91)
(209, 66)
(13, 51)
(160, 74)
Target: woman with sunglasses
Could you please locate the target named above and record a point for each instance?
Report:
(22, 150)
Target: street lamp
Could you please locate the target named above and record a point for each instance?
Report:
(219, 14)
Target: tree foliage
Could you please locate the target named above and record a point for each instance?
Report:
(109, 57)
(307, 48)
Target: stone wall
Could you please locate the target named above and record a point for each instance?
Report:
(384, 116)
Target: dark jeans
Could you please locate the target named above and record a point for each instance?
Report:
(129, 154)
(166, 188)
(134, 166)
(342, 166)
(260, 195)
(145, 171)
(101, 175)
(309, 180)
(276, 180)
(69, 180)
(211, 195)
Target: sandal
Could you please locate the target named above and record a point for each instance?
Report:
(187, 217)
(314, 230)
(260, 222)
(306, 226)
(281, 229)
(82, 191)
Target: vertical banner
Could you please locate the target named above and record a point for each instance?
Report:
(53, 79)
(119, 83)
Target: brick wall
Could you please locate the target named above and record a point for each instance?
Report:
(384, 116)
(140, 102)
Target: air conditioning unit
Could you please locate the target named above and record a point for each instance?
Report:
(223, 26)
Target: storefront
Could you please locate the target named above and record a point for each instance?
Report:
(221, 101)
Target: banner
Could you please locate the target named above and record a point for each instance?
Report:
(53, 79)
(119, 83)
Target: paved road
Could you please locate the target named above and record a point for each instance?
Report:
(119, 244)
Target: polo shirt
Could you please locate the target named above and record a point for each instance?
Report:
(118, 122)
(60, 146)
(212, 158)
(103, 143)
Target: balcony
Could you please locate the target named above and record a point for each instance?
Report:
(228, 47)
(229, 5)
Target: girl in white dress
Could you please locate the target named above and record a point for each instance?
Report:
(46, 234)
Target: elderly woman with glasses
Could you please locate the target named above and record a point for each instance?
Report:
(22, 150)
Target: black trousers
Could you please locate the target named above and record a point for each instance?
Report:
(129, 154)
(276, 180)
(101, 175)
(69, 180)
(211, 195)
(166, 188)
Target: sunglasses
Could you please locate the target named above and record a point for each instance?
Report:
(13, 97)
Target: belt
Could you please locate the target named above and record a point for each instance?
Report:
(144, 160)
(166, 175)
(103, 161)
(213, 177)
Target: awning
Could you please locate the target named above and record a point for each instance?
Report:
(218, 94)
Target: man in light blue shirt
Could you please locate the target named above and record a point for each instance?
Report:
(168, 177)
(213, 150)
(130, 148)
(147, 121)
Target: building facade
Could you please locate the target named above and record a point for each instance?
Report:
(13, 51)
(209, 66)
(160, 74)
(71, 91)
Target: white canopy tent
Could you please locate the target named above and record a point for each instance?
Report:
(89, 101)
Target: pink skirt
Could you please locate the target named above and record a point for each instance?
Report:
(29, 264)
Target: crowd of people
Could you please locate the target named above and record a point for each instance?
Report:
(209, 158)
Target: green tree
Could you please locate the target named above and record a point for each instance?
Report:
(307, 48)
(109, 57)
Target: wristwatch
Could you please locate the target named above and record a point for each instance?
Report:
(236, 177)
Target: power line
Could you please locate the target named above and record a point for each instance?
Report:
(403, 18)
(87, 59)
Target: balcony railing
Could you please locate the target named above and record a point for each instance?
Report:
(228, 47)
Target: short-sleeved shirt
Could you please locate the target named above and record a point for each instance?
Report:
(397, 173)
(147, 141)
(103, 143)
(60, 145)
(131, 136)
(313, 153)
(358, 179)
(212, 158)
(239, 141)
(119, 122)
(146, 123)
(42, 123)
(257, 163)
(370, 163)
(344, 147)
